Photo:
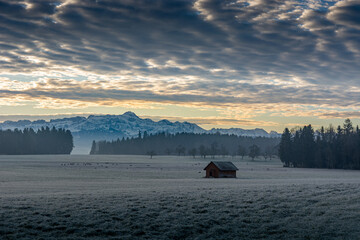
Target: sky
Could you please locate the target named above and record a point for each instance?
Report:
(262, 63)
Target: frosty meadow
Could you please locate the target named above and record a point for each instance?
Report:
(135, 197)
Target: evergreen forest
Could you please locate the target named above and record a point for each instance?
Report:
(204, 145)
(42, 141)
(324, 148)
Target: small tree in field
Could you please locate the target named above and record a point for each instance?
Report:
(254, 151)
(180, 149)
(270, 152)
(203, 151)
(241, 151)
(265, 154)
(168, 151)
(192, 152)
(151, 153)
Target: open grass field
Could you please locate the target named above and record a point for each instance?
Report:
(134, 197)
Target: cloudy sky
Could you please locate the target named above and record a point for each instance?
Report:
(256, 63)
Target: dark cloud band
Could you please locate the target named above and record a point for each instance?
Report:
(251, 51)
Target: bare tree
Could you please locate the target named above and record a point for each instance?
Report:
(168, 151)
(180, 149)
(241, 151)
(203, 151)
(192, 152)
(151, 153)
(254, 151)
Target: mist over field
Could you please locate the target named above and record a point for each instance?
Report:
(135, 197)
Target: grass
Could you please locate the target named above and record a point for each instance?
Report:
(135, 197)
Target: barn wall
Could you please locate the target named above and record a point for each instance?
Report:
(228, 174)
(215, 171)
(219, 174)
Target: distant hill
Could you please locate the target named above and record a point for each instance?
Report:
(111, 127)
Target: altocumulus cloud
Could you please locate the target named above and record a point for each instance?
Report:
(212, 52)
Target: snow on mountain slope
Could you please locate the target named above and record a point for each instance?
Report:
(257, 132)
(111, 127)
(127, 124)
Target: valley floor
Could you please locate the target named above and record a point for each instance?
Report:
(134, 197)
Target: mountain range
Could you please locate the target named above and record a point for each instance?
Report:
(111, 127)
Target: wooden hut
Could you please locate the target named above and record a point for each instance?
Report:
(221, 170)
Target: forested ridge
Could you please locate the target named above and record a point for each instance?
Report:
(42, 141)
(325, 148)
(188, 144)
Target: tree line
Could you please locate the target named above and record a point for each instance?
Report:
(325, 148)
(204, 145)
(42, 141)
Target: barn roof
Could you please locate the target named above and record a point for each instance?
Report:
(224, 166)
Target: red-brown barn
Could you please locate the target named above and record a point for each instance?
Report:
(221, 170)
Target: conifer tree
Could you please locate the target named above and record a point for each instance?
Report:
(285, 148)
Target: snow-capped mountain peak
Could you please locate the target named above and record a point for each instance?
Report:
(130, 114)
